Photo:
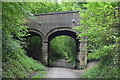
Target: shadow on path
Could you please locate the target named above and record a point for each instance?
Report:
(63, 70)
(61, 63)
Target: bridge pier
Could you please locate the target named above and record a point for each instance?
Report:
(45, 53)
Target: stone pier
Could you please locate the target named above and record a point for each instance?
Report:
(45, 53)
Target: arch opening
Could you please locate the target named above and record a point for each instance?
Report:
(34, 46)
(71, 37)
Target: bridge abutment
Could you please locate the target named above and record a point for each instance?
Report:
(81, 57)
(83, 53)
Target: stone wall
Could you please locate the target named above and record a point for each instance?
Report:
(44, 24)
(83, 53)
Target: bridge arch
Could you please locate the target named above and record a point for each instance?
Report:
(36, 32)
(62, 31)
(34, 51)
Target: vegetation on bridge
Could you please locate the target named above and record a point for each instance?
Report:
(98, 23)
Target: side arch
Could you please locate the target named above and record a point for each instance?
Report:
(37, 32)
(34, 44)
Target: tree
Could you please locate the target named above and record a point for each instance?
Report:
(100, 20)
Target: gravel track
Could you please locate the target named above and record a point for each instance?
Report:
(62, 70)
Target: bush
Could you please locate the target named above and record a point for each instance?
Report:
(102, 71)
(21, 67)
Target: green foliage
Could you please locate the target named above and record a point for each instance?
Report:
(63, 47)
(47, 7)
(103, 51)
(40, 74)
(15, 62)
(14, 15)
(99, 24)
(29, 63)
(103, 71)
(42, 7)
(23, 65)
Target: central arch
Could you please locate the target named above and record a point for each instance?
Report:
(62, 31)
(67, 32)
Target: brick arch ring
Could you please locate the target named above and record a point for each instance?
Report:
(64, 29)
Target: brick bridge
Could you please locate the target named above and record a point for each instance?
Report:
(50, 25)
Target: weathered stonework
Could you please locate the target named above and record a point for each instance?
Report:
(44, 52)
(83, 53)
(50, 25)
(47, 22)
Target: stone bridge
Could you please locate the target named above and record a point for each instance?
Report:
(50, 25)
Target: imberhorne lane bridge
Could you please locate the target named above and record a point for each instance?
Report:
(50, 25)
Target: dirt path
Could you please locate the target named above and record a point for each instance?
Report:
(63, 70)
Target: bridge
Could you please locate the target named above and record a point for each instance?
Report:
(51, 25)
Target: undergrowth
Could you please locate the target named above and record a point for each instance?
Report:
(22, 67)
(101, 70)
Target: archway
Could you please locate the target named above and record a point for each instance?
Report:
(65, 32)
(62, 50)
(34, 45)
